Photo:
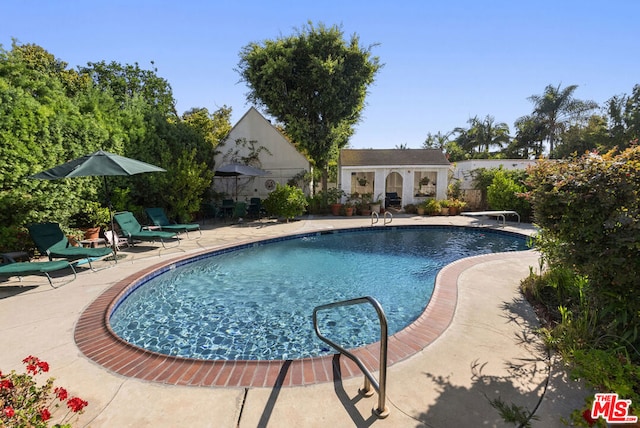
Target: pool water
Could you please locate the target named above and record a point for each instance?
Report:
(256, 303)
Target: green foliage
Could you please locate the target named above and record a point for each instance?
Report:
(432, 207)
(286, 202)
(185, 185)
(314, 83)
(91, 214)
(589, 213)
(49, 115)
(608, 371)
(15, 238)
(513, 413)
(504, 193)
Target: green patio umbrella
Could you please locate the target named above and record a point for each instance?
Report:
(98, 164)
(236, 170)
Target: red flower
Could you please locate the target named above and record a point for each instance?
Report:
(76, 404)
(43, 365)
(9, 412)
(61, 393)
(45, 414)
(6, 384)
(586, 415)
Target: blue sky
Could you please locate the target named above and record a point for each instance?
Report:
(445, 61)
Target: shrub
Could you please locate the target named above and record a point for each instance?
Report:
(504, 193)
(286, 201)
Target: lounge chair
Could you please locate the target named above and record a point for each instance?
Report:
(130, 228)
(159, 218)
(392, 200)
(20, 269)
(111, 236)
(52, 241)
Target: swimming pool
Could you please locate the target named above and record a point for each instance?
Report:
(230, 305)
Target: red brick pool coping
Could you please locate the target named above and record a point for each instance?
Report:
(97, 342)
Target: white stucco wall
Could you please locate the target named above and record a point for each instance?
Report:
(462, 170)
(408, 176)
(283, 163)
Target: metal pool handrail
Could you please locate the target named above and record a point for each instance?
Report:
(381, 411)
(377, 218)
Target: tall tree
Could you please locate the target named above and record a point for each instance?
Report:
(557, 109)
(624, 119)
(437, 141)
(530, 134)
(313, 82)
(486, 133)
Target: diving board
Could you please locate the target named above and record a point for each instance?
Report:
(497, 214)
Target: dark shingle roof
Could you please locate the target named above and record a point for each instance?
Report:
(374, 157)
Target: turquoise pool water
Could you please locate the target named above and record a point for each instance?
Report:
(256, 302)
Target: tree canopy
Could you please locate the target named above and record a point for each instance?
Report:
(314, 82)
(50, 114)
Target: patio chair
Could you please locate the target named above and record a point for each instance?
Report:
(21, 269)
(159, 218)
(130, 228)
(255, 210)
(111, 236)
(52, 241)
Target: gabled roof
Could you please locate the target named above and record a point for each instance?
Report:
(375, 157)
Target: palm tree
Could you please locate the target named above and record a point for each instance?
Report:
(529, 136)
(437, 141)
(487, 133)
(557, 109)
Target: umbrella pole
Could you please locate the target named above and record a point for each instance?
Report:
(114, 244)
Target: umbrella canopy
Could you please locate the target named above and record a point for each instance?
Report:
(236, 170)
(98, 164)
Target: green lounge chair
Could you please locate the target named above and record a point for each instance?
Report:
(51, 240)
(134, 231)
(159, 218)
(20, 269)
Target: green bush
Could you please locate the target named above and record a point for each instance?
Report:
(286, 202)
(504, 193)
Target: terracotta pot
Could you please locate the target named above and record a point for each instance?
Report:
(92, 233)
(335, 209)
(348, 211)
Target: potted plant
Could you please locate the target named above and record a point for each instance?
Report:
(432, 207)
(334, 195)
(91, 218)
(455, 206)
(348, 209)
(376, 204)
(365, 204)
(362, 181)
(444, 207)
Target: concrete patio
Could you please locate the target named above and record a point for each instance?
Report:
(489, 351)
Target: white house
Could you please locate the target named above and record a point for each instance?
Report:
(413, 174)
(275, 154)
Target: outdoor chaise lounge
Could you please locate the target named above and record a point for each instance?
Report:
(52, 241)
(159, 218)
(135, 232)
(497, 214)
(21, 269)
